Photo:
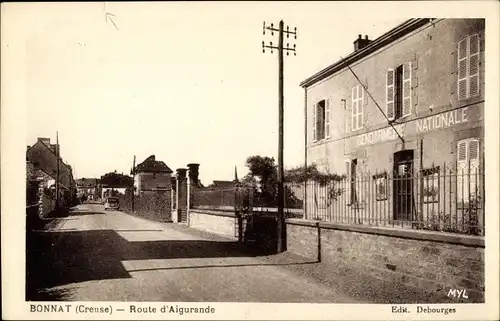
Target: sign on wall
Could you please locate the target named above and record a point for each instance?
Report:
(435, 122)
(443, 120)
(381, 135)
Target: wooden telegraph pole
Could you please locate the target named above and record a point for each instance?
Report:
(57, 170)
(133, 186)
(281, 231)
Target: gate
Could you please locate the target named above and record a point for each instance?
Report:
(257, 229)
(243, 209)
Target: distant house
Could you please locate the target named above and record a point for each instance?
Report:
(88, 187)
(41, 167)
(152, 176)
(43, 156)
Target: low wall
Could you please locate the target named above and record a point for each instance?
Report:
(427, 264)
(217, 222)
(48, 205)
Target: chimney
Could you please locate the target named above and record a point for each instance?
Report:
(194, 173)
(360, 43)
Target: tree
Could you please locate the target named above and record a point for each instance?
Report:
(116, 180)
(264, 168)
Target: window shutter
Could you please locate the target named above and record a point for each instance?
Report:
(347, 185)
(354, 108)
(473, 151)
(361, 98)
(327, 118)
(462, 69)
(462, 151)
(462, 171)
(407, 89)
(473, 166)
(453, 72)
(390, 94)
(473, 65)
(314, 123)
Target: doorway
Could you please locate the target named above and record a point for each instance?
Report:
(403, 185)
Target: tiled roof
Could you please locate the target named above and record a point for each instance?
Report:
(150, 164)
(44, 158)
(223, 183)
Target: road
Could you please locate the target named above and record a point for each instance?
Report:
(93, 255)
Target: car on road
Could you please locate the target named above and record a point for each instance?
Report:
(112, 203)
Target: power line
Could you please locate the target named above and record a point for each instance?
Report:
(376, 104)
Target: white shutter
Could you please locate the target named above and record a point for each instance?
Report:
(347, 182)
(389, 107)
(473, 65)
(327, 118)
(354, 108)
(314, 123)
(361, 98)
(462, 68)
(473, 166)
(406, 89)
(462, 171)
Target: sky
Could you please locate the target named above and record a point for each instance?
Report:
(187, 82)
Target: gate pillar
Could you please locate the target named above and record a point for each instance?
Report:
(181, 196)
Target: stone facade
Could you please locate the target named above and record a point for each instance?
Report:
(152, 175)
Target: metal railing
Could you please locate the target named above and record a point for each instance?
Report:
(438, 198)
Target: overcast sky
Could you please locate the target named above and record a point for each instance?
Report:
(187, 82)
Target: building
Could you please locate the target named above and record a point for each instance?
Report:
(88, 187)
(42, 166)
(151, 176)
(409, 103)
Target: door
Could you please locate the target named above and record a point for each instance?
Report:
(403, 185)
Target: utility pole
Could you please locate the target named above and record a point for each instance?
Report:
(133, 185)
(57, 170)
(281, 227)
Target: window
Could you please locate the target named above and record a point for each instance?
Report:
(468, 67)
(321, 120)
(357, 107)
(430, 185)
(467, 169)
(380, 186)
(351, 166)
(398, 91)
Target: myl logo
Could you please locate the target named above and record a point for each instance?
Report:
(458, 294)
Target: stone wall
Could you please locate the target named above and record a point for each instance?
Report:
(217, 222)
(428, 264)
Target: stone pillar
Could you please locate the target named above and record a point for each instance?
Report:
(188, 200)
(194, 172)
(181, 196)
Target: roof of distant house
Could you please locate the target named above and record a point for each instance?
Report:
(87, 182)
(45, 159)
(150, 164)
(223, 183)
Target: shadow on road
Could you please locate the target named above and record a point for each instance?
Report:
(219, 266)
(60, 258)
(80, 213)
